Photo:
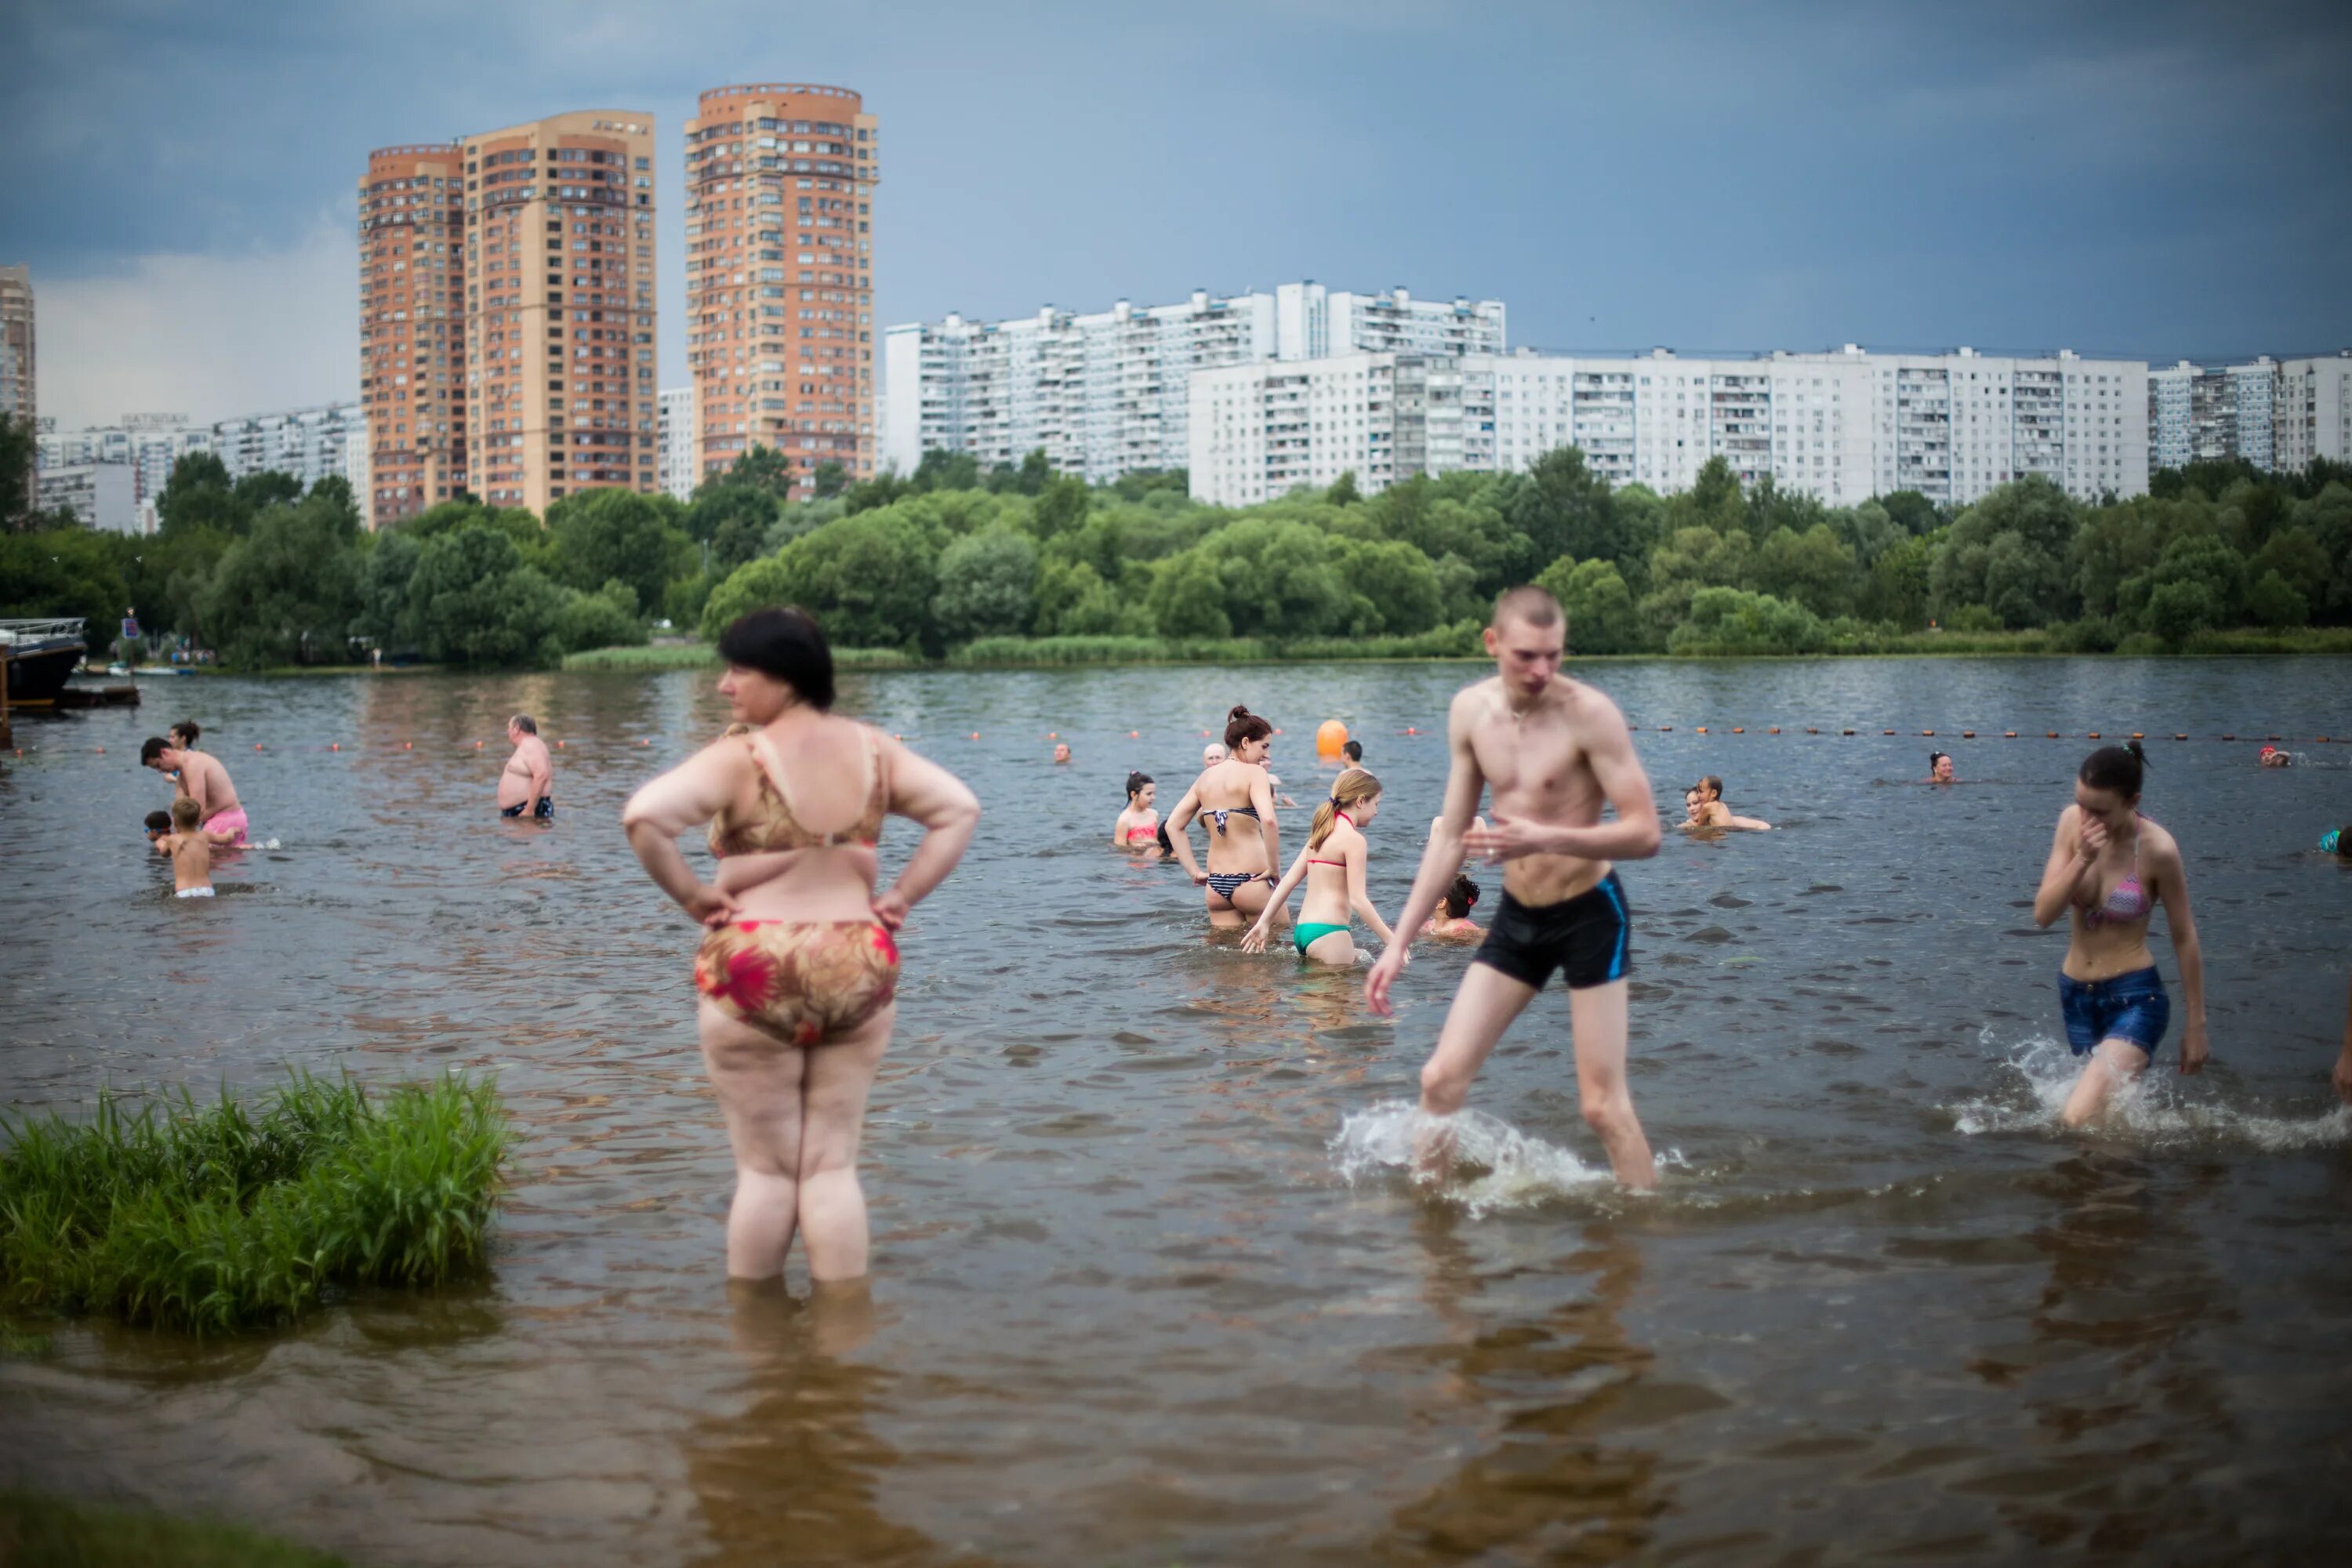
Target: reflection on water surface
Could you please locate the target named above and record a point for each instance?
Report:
(1151, 1286)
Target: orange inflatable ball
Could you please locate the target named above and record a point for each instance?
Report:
(1330, 736)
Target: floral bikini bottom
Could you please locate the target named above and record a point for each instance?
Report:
(802, 983)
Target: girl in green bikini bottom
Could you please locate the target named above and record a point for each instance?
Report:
(1332, 867)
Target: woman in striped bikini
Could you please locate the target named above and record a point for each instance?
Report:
(1238, 801)
(2109, 866)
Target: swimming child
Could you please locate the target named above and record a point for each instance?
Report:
(2109, 866)
(1137, 826)
(191, 849)
(159, 823)
(1452, 917)
(1332, 867)
(2337, 841)
(2271, 757)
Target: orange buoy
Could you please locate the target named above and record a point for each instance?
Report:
(1053, 734)
(2229, 737)
(1411, 731)
(1926, 732)
(1135, 734)
(1738, 730)
(1845, 732)
(1967, 734)
(2053, 734)
(1330, 736)
(334, 745)
(2094, 735)
(2180, 737)
(975, 735)
(2137, 736)
(101, 750)
(1886, 732)
(478, 746)
(1702, 729)
(1810, 730)
(2009, 734)
(1665, 729)
(1773, 730)
(558, 745)
(408, 745)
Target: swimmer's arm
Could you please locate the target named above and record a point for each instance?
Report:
(1749, 824)
(2174, 894)
(1440, 859)
(1179, 839)
(1634, 834)
(1280, 895)
(923, 791)
(693, 791)
(1119, 832)
(1359, 900)
(2062, 873)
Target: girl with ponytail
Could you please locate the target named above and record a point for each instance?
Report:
(1235, 795)
(1332, 867)
(2109, 867)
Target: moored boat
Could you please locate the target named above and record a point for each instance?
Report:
(38, 655)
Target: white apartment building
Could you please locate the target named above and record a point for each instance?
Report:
(1107, 394)
(104, 495)
(1841, 427)
(675, 443)
(308, 443)
(2312, 416)
(2277, 415)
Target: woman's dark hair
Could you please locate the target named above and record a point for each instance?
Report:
(1460, 898)
(1241, 724)
(784, 642)
(1135, 783)
(1934, 757)
(2117, 768)
(188, 730)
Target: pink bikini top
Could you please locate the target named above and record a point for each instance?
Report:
(2126, 902)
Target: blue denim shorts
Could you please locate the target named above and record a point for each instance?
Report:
(2129, 1007)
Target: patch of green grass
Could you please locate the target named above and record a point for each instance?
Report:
(51, 1533)
(16, 1344)
(220, 1218)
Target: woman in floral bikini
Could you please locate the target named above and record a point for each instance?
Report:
(800, 966)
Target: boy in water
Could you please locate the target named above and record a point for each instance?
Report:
(159, 823)
(191, 849)
(1555, 751)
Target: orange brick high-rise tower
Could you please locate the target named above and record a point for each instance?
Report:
(413, 328)
(780, 275)
(560, 336)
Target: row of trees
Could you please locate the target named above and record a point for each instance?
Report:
(269, 574)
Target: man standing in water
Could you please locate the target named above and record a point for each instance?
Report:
(1554, 751)
(528, 780)
(201, 779)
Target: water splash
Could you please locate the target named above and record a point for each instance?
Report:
(2157, 1110)
(1495, 1166)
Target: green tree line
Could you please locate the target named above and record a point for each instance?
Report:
(949, 555)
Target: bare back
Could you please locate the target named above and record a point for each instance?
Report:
(1539, 767)
(205, 781)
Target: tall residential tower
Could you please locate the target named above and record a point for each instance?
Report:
(780, 275)
(507, 335)
(413, 328)
(560, 310)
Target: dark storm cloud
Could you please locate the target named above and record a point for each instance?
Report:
(2156, 179)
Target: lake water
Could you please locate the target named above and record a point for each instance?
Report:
(1150, 1285)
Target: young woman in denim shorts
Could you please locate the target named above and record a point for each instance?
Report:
(2109, 867)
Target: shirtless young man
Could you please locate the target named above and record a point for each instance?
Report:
(202, 780)
(1554, 751)
(528, 780)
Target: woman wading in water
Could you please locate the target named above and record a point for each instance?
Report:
(1237, 798)
(2109, 867)
(1332, 867)
(799, 965)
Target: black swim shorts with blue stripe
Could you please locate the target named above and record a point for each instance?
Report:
(1587, 938)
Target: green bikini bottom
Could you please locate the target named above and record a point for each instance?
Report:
(1307, 933)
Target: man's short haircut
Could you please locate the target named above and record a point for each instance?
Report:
(186, 812)
(152, 747)
(1527, 602)
(159, 822)
(525, 722)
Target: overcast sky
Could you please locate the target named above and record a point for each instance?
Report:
(2154, 178)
